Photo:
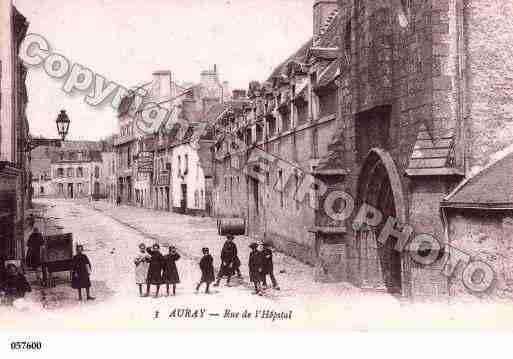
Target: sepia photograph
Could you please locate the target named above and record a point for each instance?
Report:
(240, 165)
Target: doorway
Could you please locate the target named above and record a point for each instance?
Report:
(379, 185)
(183, 203)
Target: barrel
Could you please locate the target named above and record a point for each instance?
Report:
(233, 226)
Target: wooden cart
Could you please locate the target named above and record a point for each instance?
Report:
(57, 256)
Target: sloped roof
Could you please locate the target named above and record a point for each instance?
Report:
(490, 188)
(299, 56)
(432, 153)
(329, 74)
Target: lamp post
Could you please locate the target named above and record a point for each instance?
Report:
(62, 123)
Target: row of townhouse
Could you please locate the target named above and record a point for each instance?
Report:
(15, 201)
(77, 169)
(169, 167)
(395, 104)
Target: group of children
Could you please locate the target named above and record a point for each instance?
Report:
(153, 268)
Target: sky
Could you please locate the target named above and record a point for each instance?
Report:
(126, 40)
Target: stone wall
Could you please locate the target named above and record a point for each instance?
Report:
(486, 236)
(489, 45)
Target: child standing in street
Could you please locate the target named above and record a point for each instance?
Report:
(255, 266)
(268, 267)
(207, 270)
(142, 263)
(80, 273)
(155, 269)
(170, 271)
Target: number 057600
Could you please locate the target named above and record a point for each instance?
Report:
(26, 345)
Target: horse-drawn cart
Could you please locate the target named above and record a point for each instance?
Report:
(57, 256)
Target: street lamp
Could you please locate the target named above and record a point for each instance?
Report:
(62, 124)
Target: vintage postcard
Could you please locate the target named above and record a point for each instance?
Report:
(256, 165)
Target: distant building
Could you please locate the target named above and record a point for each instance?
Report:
(77, 170)
(41, 172)
(148, 161)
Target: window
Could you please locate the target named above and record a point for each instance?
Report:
(60, 172)
(285, 120)
(80, 172)
(271, 126)
(259, 132)
(186, 170)
(328, 103)
(302, 112)
(69, 172)
(129, 156)
(60, 189)
(42, 190)
(280, 184)
(179, 173)
(96, 172)
(79, 156)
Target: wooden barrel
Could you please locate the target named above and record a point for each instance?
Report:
(233, 226)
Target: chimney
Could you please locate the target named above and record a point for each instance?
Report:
(321, 11)
(162, 87)
(239, 94)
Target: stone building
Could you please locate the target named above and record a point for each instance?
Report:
(422, 102)
(478, 221)
(290, 118)
(77, 170)
(144, 155)
(14, 136)
(41, 171)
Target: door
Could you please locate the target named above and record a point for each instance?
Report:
(70, 190)
(167, 199)
(183, 203)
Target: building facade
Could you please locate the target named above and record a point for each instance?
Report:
(15, 189)
(420, 104)
(289, 118)
(148, 159)
(77, 170)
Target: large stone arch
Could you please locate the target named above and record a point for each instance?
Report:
(380, 265)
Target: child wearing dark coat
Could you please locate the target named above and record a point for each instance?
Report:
(155, 269)
(207, 270)
(80, 273)
(256, 266)
(170, 275)
(268, 267)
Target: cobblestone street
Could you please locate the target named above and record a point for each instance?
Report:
(110, 236)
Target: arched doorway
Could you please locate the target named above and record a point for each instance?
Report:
(379, 185)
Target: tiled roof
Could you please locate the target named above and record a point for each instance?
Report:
(329, 74)
(299, 56)
(429, 153)
(490, 188)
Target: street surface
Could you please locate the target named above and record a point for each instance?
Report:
(111, 235)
